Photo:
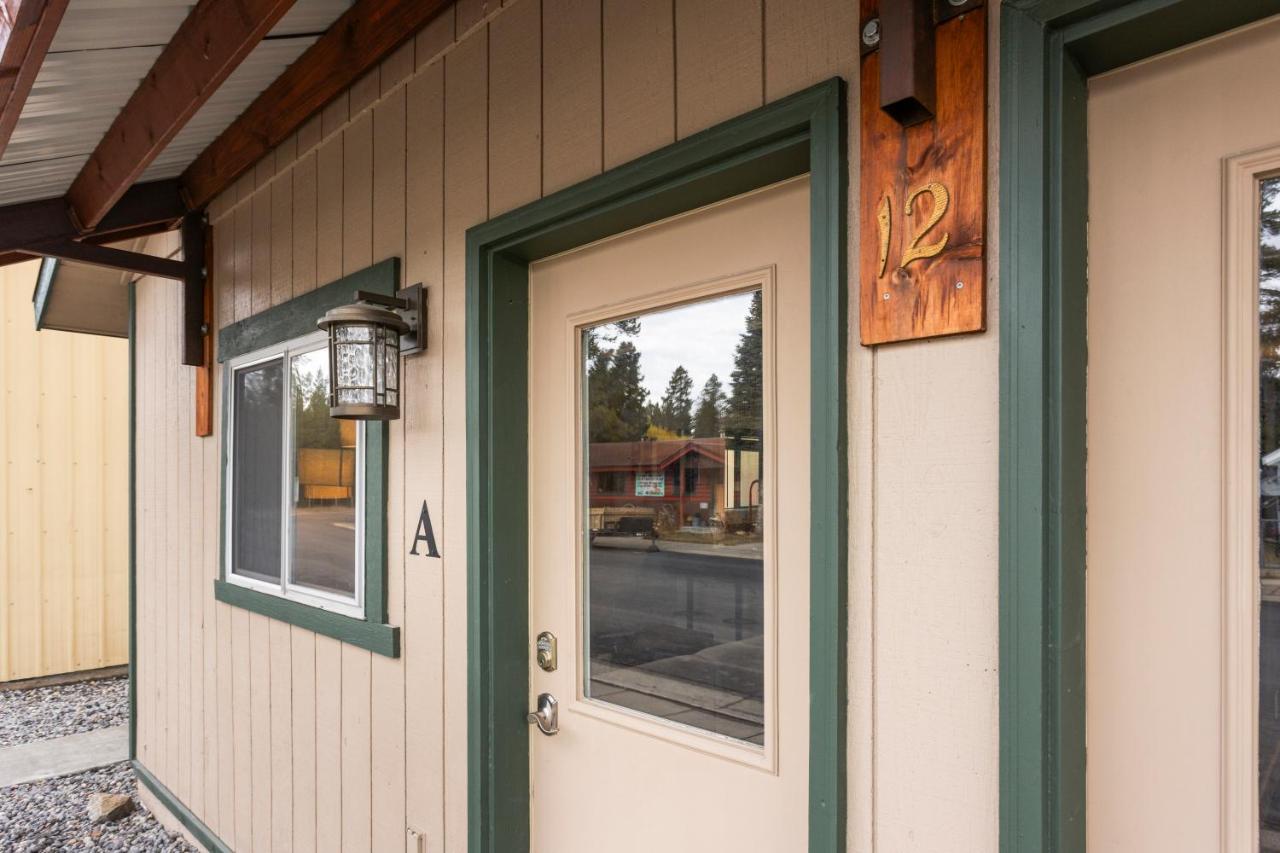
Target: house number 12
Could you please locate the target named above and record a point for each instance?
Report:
(914, 251)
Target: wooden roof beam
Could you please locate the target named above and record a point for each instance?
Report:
(145, 209)
(365, 34)
(211, 43)
(27, 28)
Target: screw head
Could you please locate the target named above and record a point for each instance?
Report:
(959, 285)
(885, 296)
(871, 32)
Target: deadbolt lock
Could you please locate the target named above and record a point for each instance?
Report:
(547, 651)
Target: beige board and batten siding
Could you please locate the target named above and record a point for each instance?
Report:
(64, 493)
(280, 739)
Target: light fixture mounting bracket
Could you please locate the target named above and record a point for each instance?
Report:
(411, 304)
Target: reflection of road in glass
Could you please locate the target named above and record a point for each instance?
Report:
(679, 636)
(324, 547)
(1269, 727)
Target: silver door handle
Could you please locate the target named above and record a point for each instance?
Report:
(547, 717)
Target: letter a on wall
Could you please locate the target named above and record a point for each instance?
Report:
(424, 534)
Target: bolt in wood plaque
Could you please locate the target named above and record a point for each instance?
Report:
(923, 184)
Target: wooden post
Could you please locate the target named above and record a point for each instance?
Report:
(204, 373)
(193, 281)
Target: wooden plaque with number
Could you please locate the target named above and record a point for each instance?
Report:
(923, 195)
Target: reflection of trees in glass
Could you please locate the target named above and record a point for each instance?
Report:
(311, 422)
(745, 410)
(1269, 504)
(706, 421)
(1271, 230)
(675, 413)
(615, 394)
(1269, 313)
(618, 403)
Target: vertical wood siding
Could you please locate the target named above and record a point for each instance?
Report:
(64, 487)
(280, 739)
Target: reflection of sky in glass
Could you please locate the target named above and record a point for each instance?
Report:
(1271, 205)
(310, 370)
(701, 336)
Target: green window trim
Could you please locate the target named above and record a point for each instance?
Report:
(298, 316)
(294, 319)
(374, 636)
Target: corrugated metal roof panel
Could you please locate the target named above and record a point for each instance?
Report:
(33, 180)
(310, 17)
(102, 51)
(262, 66)
(73, 101)
(108, 24)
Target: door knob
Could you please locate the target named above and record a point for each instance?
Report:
(547, 717)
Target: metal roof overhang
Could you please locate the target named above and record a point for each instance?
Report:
(132, 114)
(101, 53)
(80, 298)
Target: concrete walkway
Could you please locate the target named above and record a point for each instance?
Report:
(741, 551)
(45, 759)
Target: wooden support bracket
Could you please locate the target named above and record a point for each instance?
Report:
(191, 271)
(43, 227)
(194, 327)
(204, 373)
(105, 256)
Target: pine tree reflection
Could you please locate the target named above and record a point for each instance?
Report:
(675, 568)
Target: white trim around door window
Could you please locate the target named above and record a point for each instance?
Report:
(286, 588)
(1242, 176)
(762, 758)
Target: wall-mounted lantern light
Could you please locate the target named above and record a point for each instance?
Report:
(366, 340)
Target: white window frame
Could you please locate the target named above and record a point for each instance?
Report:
(286, 588)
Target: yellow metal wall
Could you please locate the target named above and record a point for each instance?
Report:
(64, 493)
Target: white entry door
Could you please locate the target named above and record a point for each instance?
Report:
(669, 534)
(1183, 473)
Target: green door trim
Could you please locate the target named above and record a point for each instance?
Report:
(133, 519)
(805, 132)
(1048, 50)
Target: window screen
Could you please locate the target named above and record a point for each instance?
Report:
(257, 470)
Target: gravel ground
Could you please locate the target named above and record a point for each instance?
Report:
(53, 815)
(66, 709)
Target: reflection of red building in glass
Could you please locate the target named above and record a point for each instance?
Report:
(651, 486)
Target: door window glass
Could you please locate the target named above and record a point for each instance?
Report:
(674, 487)
(1269, 527)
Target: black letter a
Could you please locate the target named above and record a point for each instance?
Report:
(424, 533)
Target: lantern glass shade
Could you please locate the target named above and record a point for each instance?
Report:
(364, 362)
